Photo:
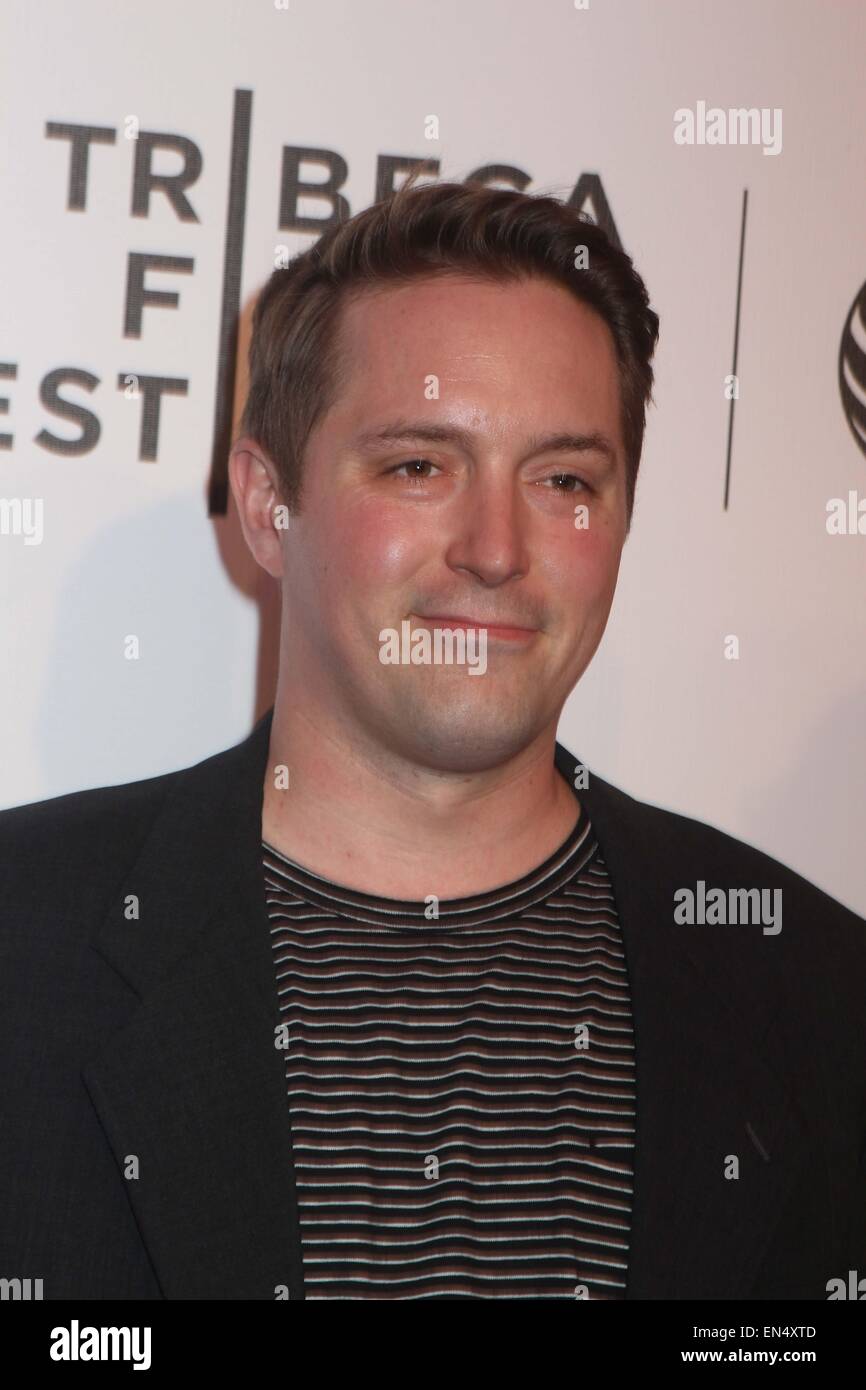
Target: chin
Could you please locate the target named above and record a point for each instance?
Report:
(471, 743)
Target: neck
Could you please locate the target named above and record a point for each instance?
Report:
(370, 818)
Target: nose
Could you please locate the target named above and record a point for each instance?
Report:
(490, 538)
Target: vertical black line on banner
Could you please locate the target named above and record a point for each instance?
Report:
(736, 344)
(231, 302)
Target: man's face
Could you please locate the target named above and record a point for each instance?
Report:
(483, 528)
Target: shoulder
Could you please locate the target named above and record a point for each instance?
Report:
(681, 842)
(658, 855)
(724, 854)
(99, 821)
(61, 859)
(60, 827)
(776, 945)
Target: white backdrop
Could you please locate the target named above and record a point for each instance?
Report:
(770, 747)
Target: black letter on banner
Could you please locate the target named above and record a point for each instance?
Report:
(9, 369)
(589, 187)
(291, 189)
(152, 388)
(137, 296)
(81, 136)
(67, 410)
(499, 174)
(144, 179)
(387, 165)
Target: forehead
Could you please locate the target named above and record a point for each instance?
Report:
(530, 342)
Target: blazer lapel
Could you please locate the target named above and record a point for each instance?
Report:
(710, 1076)
(192, 1089)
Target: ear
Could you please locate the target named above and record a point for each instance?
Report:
(255, 486)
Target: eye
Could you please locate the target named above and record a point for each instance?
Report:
(414, 479)
(568, 478)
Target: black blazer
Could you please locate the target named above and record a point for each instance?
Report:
(146, 1046)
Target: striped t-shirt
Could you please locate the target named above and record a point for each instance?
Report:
(461, 1087)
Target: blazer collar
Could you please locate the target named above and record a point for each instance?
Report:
(193, 1086)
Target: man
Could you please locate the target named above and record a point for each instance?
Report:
(396, 999)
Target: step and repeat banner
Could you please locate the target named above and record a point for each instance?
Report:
(160, 160)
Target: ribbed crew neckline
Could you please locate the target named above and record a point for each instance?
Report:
(498, 904)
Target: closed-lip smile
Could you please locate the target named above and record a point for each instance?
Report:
(498, 628)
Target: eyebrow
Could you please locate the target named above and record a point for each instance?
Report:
(593, 441)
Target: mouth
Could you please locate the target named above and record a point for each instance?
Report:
(497, 631)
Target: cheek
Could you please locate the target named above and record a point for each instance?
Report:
(380, 547)
(583, 564)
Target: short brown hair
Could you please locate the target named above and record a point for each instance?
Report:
(296, 369)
